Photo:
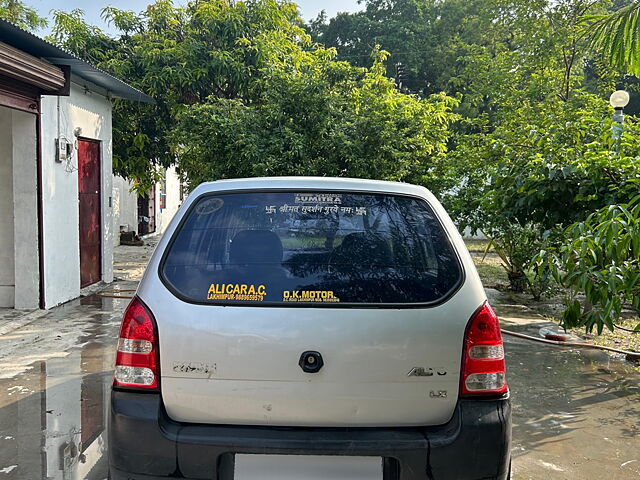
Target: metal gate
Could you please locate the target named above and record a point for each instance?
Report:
(90, 212)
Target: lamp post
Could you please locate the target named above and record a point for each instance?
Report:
(618, 100)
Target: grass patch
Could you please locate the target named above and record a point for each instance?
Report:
(621, 338)
(491, 273)
(476, 245)
(490, 267)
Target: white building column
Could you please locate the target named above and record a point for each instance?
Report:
(7, 269)
(25, 210)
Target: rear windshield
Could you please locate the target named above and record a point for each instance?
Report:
(310, 248)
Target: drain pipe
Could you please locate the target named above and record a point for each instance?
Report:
(630, 355)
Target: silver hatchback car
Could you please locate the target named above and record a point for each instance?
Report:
(310, 325)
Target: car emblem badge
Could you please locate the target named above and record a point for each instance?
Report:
(426, 372)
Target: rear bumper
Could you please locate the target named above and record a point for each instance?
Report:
(144, 444)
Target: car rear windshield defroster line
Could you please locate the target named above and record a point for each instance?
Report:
(303, 248)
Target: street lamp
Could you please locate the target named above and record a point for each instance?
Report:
(618, 100)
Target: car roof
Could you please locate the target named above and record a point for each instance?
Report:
(311, 183)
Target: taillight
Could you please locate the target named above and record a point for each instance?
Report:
(137, 359)
(483, 368)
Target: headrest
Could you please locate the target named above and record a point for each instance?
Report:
(255, 246)
(363, 248)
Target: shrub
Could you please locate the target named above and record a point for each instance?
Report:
(600, 259)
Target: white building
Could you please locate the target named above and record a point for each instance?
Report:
(152, 213)
(56, 181)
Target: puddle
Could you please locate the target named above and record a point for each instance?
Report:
(53, 414)
(576, 413)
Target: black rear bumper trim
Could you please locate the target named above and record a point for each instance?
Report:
(145, 444)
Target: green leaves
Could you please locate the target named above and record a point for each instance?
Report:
(600, 260)
(17, 12)
(322, 118)
(566, 169)
(617, 37)
(183, 56)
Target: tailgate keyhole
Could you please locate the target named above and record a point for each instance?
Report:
(311, 362)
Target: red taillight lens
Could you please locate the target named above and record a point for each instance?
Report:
(483, 368)
(137, 360)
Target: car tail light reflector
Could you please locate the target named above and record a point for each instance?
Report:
(137, 359)
(483, 367)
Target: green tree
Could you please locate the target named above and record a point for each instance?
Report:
(559, 162)
(481, 49)
(322, 118)
(543, 167)
(600, 259)
(423, 36)
(241, 90)
(17, 12)
(181, 56)
(617, 36)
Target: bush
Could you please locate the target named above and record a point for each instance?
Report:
(516, 245)
(601, 259)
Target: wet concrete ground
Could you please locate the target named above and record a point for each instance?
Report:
(576, 412)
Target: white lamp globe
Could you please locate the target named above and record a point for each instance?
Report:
(619, 99)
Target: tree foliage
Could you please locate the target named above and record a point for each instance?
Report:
(617, 36)
(17, 12)
(558, 162)
(241, 90)
(599, 258)
(180, 56)
(322, 118)
(483, 49)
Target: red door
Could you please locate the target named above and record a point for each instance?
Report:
(90, 217)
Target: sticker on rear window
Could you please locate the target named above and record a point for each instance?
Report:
(237, 291)
(209, 206)
(318, 198)
(323, 296)
(318, 208)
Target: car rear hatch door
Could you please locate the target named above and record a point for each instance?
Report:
(251, 280)
(242, 365)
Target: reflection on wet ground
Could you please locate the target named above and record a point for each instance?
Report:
(53, 415)
(576, 412)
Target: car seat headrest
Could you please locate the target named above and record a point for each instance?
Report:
(363, 249)
(255, 247)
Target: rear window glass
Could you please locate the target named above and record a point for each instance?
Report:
(315, 248)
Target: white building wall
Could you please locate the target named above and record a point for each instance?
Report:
(7, 278)
(127, 212)
(125, 208)
(91, 112)
(25, 208)
(172, 200)
(19, 265)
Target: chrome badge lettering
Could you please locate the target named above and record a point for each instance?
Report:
(438, 394)
(426, 372)
(195, 368)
